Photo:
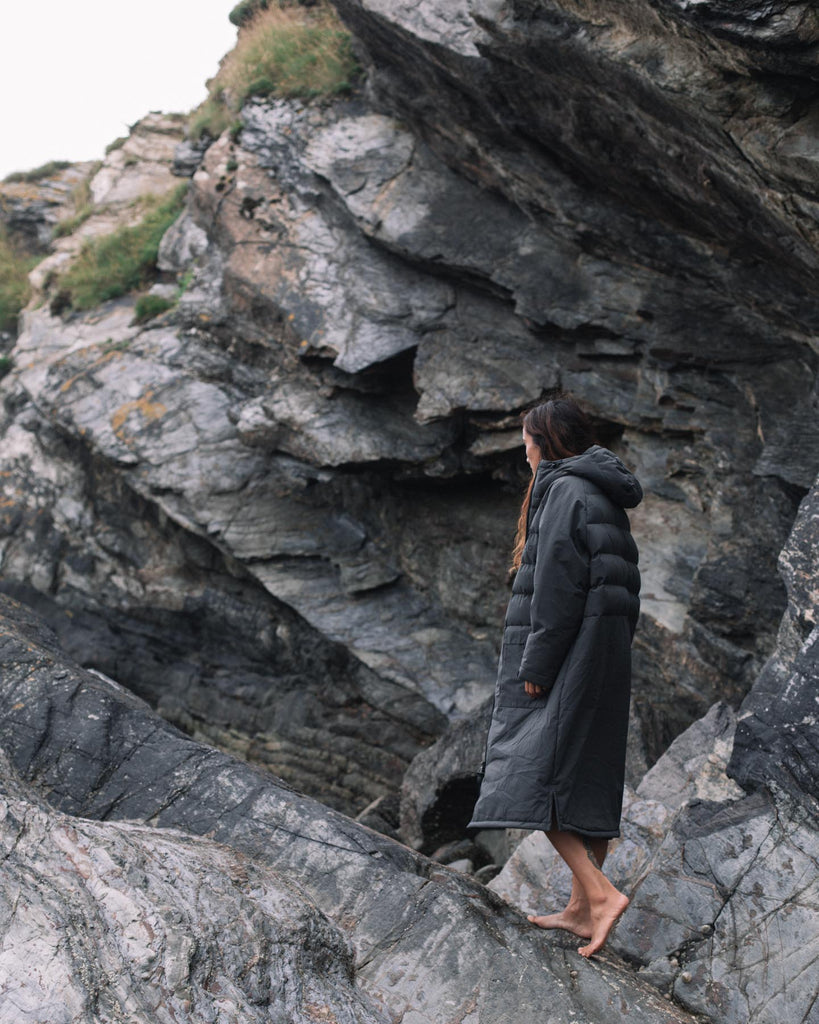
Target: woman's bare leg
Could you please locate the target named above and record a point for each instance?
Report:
(576, 916)
(605, 903)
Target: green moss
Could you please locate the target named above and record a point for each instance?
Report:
(15, 266)
(5, 365)
(118, 143)
(44, 171)
(147, 307)
(124, 260)
(246, 10)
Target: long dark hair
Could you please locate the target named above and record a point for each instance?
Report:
(560, 429)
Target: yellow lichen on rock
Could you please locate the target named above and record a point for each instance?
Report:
(145, 406)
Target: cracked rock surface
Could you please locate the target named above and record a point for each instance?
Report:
(281, 511)
(611, 200)
(429, 945)
(117, 921)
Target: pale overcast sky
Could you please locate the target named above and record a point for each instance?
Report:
(75, 73)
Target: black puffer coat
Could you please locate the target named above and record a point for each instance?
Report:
(557, 761)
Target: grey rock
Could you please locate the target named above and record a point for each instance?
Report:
(142, 164)
(775, 743)
(459, 849)
(487, 873)
(164, 290)
(394, 905)
(141, 600)
(721, 878)
(730, 874)
(123, 921)
(441, 786)
(711, 894)
(377, 299)
(30, 211)
(174, 432)
(181, 244)
(499, 843)
(319, 457)
(187, 156)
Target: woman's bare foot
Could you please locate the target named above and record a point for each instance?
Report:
(571, 919)
(604, 915)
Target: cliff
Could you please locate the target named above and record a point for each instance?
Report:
(277, 504)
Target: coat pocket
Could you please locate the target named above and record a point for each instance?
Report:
(509, 692)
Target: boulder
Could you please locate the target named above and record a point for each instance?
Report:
(441, 785)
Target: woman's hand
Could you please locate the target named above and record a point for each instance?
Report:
(533, 689)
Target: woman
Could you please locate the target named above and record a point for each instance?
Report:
(556, 749)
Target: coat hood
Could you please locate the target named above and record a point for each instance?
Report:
(596, 464)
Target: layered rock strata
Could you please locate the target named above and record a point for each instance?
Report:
(527, 196)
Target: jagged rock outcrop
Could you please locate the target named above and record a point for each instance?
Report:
(281, 511)
(528, 195)
(112, 193)
(722, 882)
(639, 152)
(428, 944)
(145, 602)
(31, 210)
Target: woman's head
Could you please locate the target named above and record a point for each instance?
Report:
(555, 430)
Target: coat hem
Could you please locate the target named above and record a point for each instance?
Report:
(539, 826)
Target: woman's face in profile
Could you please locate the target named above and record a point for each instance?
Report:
(533, 455)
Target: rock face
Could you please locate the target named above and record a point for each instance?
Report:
(381, 283)
(160, 610)
(723, 888)
(122, 921)
(428, 944)
(281, 511)
(30, 210)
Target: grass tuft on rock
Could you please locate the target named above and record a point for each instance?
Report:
(289, 51)
(123, 261)
(147, 307)
(246, 10)
(39, 173)
(15, 265)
